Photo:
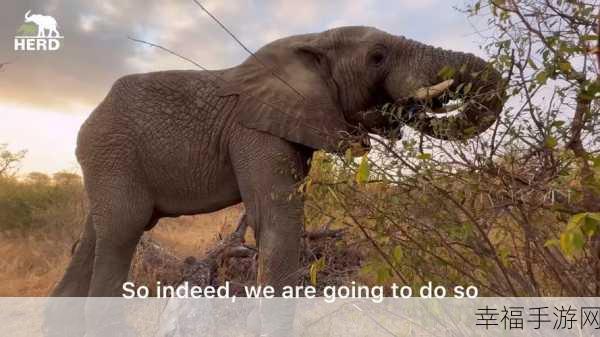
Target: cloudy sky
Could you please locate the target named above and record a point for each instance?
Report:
(45, 96)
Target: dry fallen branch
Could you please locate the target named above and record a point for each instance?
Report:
(232, 260)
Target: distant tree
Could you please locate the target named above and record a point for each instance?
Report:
(66, 179)
(9, 161)
(38, 178)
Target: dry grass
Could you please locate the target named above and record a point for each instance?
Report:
(30, 265)
(33, 261)
(193, 235)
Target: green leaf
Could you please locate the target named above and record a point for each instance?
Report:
(532, 64)
(503, 253)
(565, 67)
(447, 72)
(397, 254)
(362, 175)
(595, 161)
(383, 274)
(348, 155)
(590, 37)
(476, 8)
(590, 224)
(571, 241)
(578, 240)
(541, 77)
(313, 275)
(575, 221)
(315, 268)
(424, 156)
(550, 142)
(579, 226)
(469, 131)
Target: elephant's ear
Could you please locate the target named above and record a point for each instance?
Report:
(286, 91)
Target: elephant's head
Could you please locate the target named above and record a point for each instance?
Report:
(316, 89)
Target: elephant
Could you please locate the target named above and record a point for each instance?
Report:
(183, 142)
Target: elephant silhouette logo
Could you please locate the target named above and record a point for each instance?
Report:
(38, 32)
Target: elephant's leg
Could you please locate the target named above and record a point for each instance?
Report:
(76, 280)
(121, 209)
(120, 216)
(267, 170)
(61, 313)
(279, 243)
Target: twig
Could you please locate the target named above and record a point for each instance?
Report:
(171, 52)
(246, 48)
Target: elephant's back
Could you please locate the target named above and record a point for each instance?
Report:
(160, 116)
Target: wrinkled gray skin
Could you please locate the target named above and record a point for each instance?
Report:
(173, 143)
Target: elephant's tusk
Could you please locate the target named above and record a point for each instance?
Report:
(446, 108)
(433, 91)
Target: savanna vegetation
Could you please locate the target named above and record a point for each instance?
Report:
(41, 217)
(514, 211)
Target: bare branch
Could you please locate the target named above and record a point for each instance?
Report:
(248, 50)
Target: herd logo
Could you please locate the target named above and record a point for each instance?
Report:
(38, 33)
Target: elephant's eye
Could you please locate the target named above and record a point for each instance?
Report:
(377, 57)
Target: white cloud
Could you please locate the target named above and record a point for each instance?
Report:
(456, 39)
(108, 7)
(293, 13)
(418, 4)
(88, 22)
(226, 7)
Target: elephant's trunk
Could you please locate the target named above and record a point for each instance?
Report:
(27, 15)
(479, 86)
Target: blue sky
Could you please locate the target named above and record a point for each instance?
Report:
(46, 96)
